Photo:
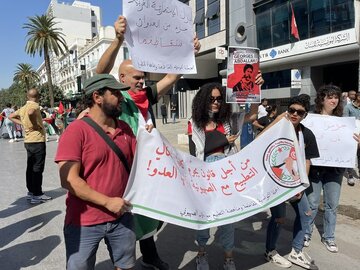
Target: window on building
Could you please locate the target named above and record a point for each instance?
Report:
(263, 25)
(92, 13)
(280, 25)
(199, 20)
(213, 17)
(343, 17)
(278, 79)
(313, 18)
(93, 35)
(200, 4)
(319, 17)
(126, 53)
(93, 24)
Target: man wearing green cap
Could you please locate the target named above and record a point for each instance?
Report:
(96, 179)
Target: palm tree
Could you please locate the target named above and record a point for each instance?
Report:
(25, 73)
(44, 38)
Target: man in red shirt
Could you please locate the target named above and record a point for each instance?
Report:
(96, 179)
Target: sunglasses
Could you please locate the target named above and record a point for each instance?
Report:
(300, 113)
(218, 99)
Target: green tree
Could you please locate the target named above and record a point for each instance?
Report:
(44, 38)
(25, 74)
(15, 95)
(45, 97)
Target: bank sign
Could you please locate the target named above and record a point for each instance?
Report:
(309, 45)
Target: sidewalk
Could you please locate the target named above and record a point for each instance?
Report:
(31, 235)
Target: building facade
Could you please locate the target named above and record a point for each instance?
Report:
(327, 50)
(87, 40)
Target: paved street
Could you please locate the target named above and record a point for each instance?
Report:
(31, 235)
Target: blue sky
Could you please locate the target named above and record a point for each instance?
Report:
(13, 38)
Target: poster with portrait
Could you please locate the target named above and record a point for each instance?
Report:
(242, 68)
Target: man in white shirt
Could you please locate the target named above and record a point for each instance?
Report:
(262, 108)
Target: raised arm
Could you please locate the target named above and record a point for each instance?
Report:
(107, 60)
(252, 115)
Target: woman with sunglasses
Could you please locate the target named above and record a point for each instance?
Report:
(296, 112)
(211, 139)
(328, 179)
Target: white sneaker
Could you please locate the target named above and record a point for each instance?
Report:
(202, 262)
(302, 259)
(11, 141)
(330, 245)
(351, 181)
(229, 264)
(16, 140)
(40, 199)
(275, 258)
(307, 241)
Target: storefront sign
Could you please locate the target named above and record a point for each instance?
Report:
(309, 45)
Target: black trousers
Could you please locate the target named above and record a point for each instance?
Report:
(36, 153)
(148, 247)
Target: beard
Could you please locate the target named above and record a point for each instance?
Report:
(111, 110)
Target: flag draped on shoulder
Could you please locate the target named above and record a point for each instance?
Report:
(144, 226)
(294, 28)
(130, 112)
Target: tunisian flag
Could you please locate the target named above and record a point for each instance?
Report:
(294, 29)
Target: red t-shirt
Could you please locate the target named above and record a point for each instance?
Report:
(100, 168)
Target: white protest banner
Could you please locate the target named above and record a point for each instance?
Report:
(160, 36)
(334, 137)
(173, 186)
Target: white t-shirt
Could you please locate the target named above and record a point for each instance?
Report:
(262, 111)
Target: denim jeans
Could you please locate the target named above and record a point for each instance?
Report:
(82, 242)
(330, 182)
(226, 232)
(10, 126)
(302, 218)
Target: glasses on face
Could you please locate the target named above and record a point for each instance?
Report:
(218, 99)
(300, 113)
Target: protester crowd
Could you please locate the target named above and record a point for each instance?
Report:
(95, 155)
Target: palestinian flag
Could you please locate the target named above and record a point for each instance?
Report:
(144, 226)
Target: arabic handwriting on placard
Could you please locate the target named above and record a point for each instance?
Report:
(335, 127)
(145, 22)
